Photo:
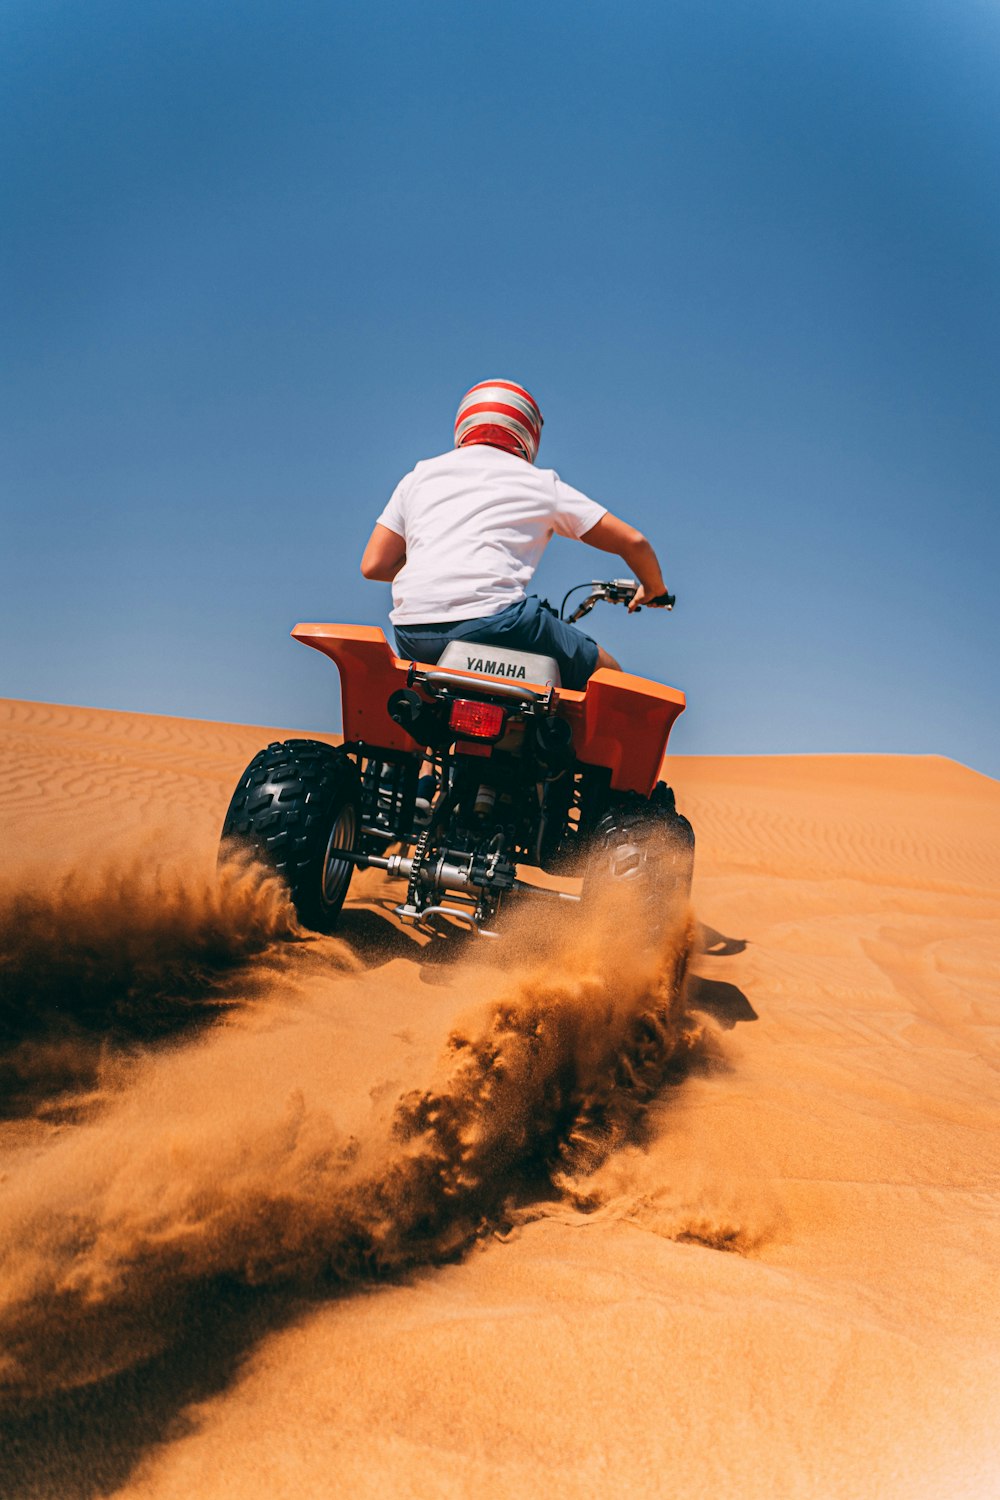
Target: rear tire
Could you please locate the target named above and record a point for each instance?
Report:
(297, 804)
(643, 850)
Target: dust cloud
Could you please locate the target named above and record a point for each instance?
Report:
(99, 955)
(224, 1161)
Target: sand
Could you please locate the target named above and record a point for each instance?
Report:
(374, 1216)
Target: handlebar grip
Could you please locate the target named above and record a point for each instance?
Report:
(665, 601)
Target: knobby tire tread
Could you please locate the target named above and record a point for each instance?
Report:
(283, 809)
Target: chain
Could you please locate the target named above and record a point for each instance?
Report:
(420, 849)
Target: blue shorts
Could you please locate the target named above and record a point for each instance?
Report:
(525, 626)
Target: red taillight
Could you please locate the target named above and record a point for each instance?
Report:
(484, 721)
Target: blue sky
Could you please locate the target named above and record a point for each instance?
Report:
(747, 257)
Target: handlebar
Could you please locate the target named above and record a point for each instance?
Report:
(612, 591)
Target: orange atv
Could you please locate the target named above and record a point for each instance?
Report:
(467, 770)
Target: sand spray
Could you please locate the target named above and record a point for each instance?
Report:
(189, 1158)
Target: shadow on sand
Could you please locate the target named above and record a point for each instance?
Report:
(724, 1002)
(87, 1442)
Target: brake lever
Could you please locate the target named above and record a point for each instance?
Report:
(618, 590)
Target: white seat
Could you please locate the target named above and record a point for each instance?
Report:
(500, 661)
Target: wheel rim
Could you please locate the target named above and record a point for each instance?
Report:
(337, 872)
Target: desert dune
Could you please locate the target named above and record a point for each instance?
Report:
(378, 1215)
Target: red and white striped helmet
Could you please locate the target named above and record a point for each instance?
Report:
(502, 414)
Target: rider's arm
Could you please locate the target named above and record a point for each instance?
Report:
(384, 555)
(614, 535)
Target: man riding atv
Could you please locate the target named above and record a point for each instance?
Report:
(500, 738)
(463, 534)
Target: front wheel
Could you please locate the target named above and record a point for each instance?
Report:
(298, 807)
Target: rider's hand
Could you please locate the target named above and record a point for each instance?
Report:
(646, 596)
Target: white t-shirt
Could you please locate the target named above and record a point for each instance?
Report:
(476, 522)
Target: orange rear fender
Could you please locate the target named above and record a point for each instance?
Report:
(369, 673)
(620, 721)
(623, 722)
